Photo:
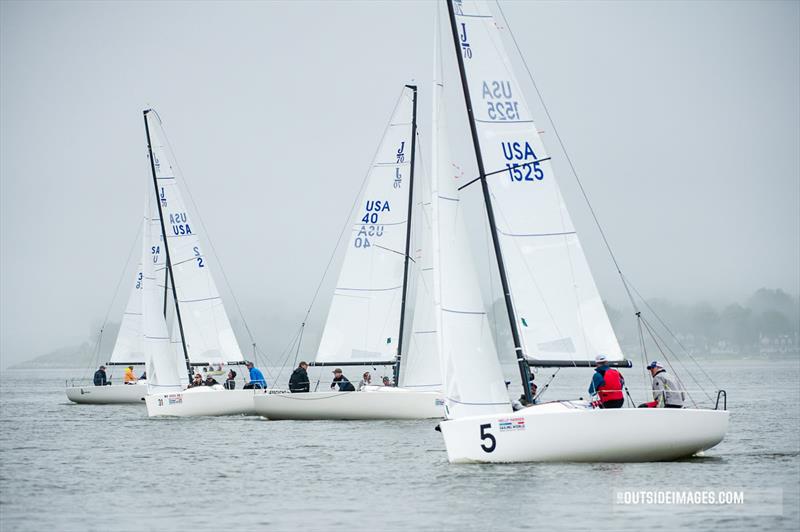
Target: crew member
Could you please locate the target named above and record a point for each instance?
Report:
(100, 377)
(665, 393)
(257, 379)
(298, 382)
(129, 378)
(607, 384)
(344, 384)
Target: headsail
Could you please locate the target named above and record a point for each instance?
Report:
(421, 366)
(207, 330)
(473, 377)
(364, 317)
(162, 366)
(558, 310)
(129, 346)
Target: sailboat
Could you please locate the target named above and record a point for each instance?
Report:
(367, 317)
(203, 335)
(556, 315)
(128, 351)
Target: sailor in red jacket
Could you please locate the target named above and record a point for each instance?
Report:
(607, 383)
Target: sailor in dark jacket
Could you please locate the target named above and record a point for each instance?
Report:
(298, 382)
(230, 382)
(100, 377)
(344, 384)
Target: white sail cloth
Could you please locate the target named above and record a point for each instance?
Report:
(207, 330)
(162, 366)
(129, 346)
(364, 317)
(421, 368)
(474, 381)
(559, 312)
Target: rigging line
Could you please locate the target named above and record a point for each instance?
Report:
(547, 384)
(568, 158)
(655, 335)
(674, 337)
(680, 383)
(287, 351)
(299, 342)
(347, 221)
(207, 233)
(643, 347)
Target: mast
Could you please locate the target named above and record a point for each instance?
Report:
(166, 247)
(408, 235)
(524, 369)
(166, 287)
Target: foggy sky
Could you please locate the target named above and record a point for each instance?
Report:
(682, 118)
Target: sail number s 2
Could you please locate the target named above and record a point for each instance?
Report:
(198, 257)
(489, 441)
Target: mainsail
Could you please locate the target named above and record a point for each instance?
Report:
(558, 311)
(473, 377)
(207, 331)
(364, 317)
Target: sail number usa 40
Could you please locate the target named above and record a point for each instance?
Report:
(371, 228)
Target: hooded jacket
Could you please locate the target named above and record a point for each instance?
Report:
(665, 392)
(298, 382)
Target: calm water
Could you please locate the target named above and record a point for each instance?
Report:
(85, 467)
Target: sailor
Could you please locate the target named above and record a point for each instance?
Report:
(298, 382)
(607, 383)
(129, 378)
(257, 379)
(196, 381)
(387, 381)
(344, 384)
(230, 382)
(665, 393)
(100, 377)
(366, 380)
(210, 381)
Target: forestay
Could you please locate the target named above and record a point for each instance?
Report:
(207, 330)
(364, 317)
(558, 309)
(474, 381)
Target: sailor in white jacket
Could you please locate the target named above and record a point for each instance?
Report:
(665, 393)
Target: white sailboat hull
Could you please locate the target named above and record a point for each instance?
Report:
(107, 395)
(571, 432)
(201, 401)
(388, 403)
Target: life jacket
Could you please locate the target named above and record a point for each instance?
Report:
(611, 389)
